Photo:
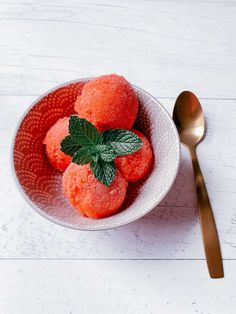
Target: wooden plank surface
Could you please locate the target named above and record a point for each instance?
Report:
(68, 287)
(163, 46)
(154, 265)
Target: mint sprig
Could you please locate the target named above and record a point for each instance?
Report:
(69, 146)
(123, 142)
(87, 145)
(104, 171)
(83, 156)
(106, 152)
(84, 132)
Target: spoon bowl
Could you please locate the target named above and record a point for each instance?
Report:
(189, 119)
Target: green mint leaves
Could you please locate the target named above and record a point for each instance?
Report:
(84, 132)
(123, 142)
(83, 156)
(69, 146)
(87, 145)
(104, 171)
(106, 153)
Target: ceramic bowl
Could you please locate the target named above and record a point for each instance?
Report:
(41, 185)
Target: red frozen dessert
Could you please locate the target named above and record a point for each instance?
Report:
(52, 141)
(108, 101)
(137, 165)
(93, 198)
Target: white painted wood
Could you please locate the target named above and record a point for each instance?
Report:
(127, 287)
(170, 231)
(163, 46)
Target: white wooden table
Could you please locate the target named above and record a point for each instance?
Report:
(154, 265)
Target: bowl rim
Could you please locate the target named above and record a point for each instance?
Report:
(66, 224)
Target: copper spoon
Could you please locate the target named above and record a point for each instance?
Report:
(189, 119)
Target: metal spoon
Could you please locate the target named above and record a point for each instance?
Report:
(189, 119)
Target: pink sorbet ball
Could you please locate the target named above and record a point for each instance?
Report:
(52, 141)
(108, 101)
(137, 165)
(91, 197)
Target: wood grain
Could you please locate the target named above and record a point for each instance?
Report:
(68, 287)
(163, 46)
(157, 263)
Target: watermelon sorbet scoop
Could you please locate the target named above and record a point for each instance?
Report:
(108, 101)
(52, 141)
(136, 166)
(91, 197)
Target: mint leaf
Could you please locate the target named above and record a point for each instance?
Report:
(69, 146)
(103, 171)
(123, 142)
(95, 157)
(83, 132)
(83, 156)
(87, 145)
(106, 152)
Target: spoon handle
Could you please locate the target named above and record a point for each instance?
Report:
(209, 232)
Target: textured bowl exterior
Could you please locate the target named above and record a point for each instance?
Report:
(41, 184)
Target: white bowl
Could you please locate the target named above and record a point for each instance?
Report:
(41, 184)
